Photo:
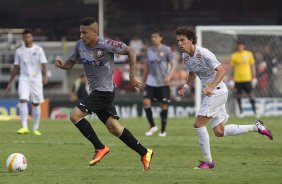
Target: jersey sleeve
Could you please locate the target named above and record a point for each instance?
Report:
(251, 58)
(42, 56)
(17, 58)
(169, 55)
(115, 46)
(211, 59)
(74, 56)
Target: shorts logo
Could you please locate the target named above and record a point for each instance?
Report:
(81, 104)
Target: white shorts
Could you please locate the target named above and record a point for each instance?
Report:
(32, 91)
(214, 107)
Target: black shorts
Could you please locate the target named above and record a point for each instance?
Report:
(157, 94)
(101, 103)
(243, 86)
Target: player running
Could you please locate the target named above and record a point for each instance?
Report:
(157, 74)
(200, 61)
(97, 57)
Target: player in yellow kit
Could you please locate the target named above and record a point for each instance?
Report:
(244, 74)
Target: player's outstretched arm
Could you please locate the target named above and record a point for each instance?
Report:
(169, 75)
(64, 65)
(135, 82)
(44, 71)
(13, 74)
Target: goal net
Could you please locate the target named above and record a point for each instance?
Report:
(266, 44)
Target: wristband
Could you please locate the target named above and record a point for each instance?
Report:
(186, 86)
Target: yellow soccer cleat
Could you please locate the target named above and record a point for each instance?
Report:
(36, 132)
(99, 154)
(146, 159)
(23, 131)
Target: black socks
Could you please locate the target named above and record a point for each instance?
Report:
(149, 116)
(132, 142)
(163, 119)
(86, 129)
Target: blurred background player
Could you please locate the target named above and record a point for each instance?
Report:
(244, 75)
(97, 56)
(80, 89)
(157, 74)
(200, 61)
(30, 59)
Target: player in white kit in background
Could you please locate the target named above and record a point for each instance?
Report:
(30, 59)
(203, 63)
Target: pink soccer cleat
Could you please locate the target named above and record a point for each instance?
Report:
(205, 165)
(263, 130)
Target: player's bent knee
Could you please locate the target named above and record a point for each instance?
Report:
(23, 101)
(146, 103)
(114, 126)
(75, 116)
(164, 106)
(198, 124)
(219, 133)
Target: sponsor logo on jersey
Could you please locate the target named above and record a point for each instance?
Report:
(185, 57)
(93, 63)
(162, 54)
(114, 43)
(198, 57)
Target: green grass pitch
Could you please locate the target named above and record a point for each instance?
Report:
(61, 155)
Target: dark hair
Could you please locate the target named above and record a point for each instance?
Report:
(27, 31)
(239, 42)
(87, 21)
(156, 31)
(189, 32)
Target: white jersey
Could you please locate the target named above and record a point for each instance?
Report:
(203, 63)
(30, 60)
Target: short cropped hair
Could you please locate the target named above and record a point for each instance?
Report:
(156, 31)
(87, 21)
(27, 31)
(189, 32)
(241, 42)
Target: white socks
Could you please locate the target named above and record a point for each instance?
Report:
(36, 112)
(231, 129)
(204, 140)
(24, 114)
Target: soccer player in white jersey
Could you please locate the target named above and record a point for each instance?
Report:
(203, 63)
(97, 57)
(30, 59)
(157, 74)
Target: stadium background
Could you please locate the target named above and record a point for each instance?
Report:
(61, 154)
(56, 28)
